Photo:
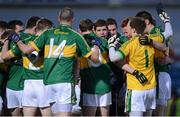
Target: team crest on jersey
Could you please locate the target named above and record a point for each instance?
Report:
(57, 31)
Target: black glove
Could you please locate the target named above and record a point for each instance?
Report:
(14, 37)
(1, 44)
(140, 76)
(144, 40)
(96, 41)
(162, 14)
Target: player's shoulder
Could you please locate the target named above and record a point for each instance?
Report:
(155, 35)
(157, 29)
(74, 33)
(158, 37)
(131, 41)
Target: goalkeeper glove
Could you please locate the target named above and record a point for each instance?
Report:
(162, 14)
(117, 43)
(14, 37)
(111, 41)
(140, 76)
(144, 40)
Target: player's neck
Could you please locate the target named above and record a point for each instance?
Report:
(38, 33)
(29, 31)
(65, 23)
(86, 32)
(150, 27)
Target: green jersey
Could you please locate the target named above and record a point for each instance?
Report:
(122, 39)
(61, 46)
(159, 67)
(95, 77)
(15, 81)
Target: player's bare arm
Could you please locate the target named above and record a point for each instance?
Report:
(26, 49)
(5, 54)
(145, 40)
(95, 55)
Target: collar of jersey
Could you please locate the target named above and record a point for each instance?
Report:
(65, 25)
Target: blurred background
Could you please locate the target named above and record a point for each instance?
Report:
(95, 9)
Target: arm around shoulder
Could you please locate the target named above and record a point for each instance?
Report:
(26, 49)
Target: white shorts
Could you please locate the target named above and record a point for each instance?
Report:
(57, 107)
(140, 100)
(62, 93)
(97, 100)
(164, 86)
(34, 94)
(61, 96)
(14, 98)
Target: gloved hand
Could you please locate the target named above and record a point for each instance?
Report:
(140, 76)
(111, 41)
(162, 14)
(117, 43)
(96, 41)
(144, 40)
(14, 37)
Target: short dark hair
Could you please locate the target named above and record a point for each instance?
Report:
(66, 14)
(13, 23)
(32, 21)
(146, 15)
(86, 25)
(138, 24)
(100, 23)
(6, 34)
(43, 24)
(3, 25)
(111, 21)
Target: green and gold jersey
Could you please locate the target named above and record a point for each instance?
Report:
(159, 54)
(141, 58)
(61, 47)
(32, 63)
(2, 68)
(95, 77)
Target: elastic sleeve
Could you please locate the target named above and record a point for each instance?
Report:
(168, 30)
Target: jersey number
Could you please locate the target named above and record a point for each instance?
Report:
(58, 52)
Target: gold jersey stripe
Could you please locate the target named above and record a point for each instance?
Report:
(26, 62)
(34, 46)
(68, 51)
(84, 62)
(11, 53)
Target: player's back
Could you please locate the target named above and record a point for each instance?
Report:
(61, 46)
(141, 58)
